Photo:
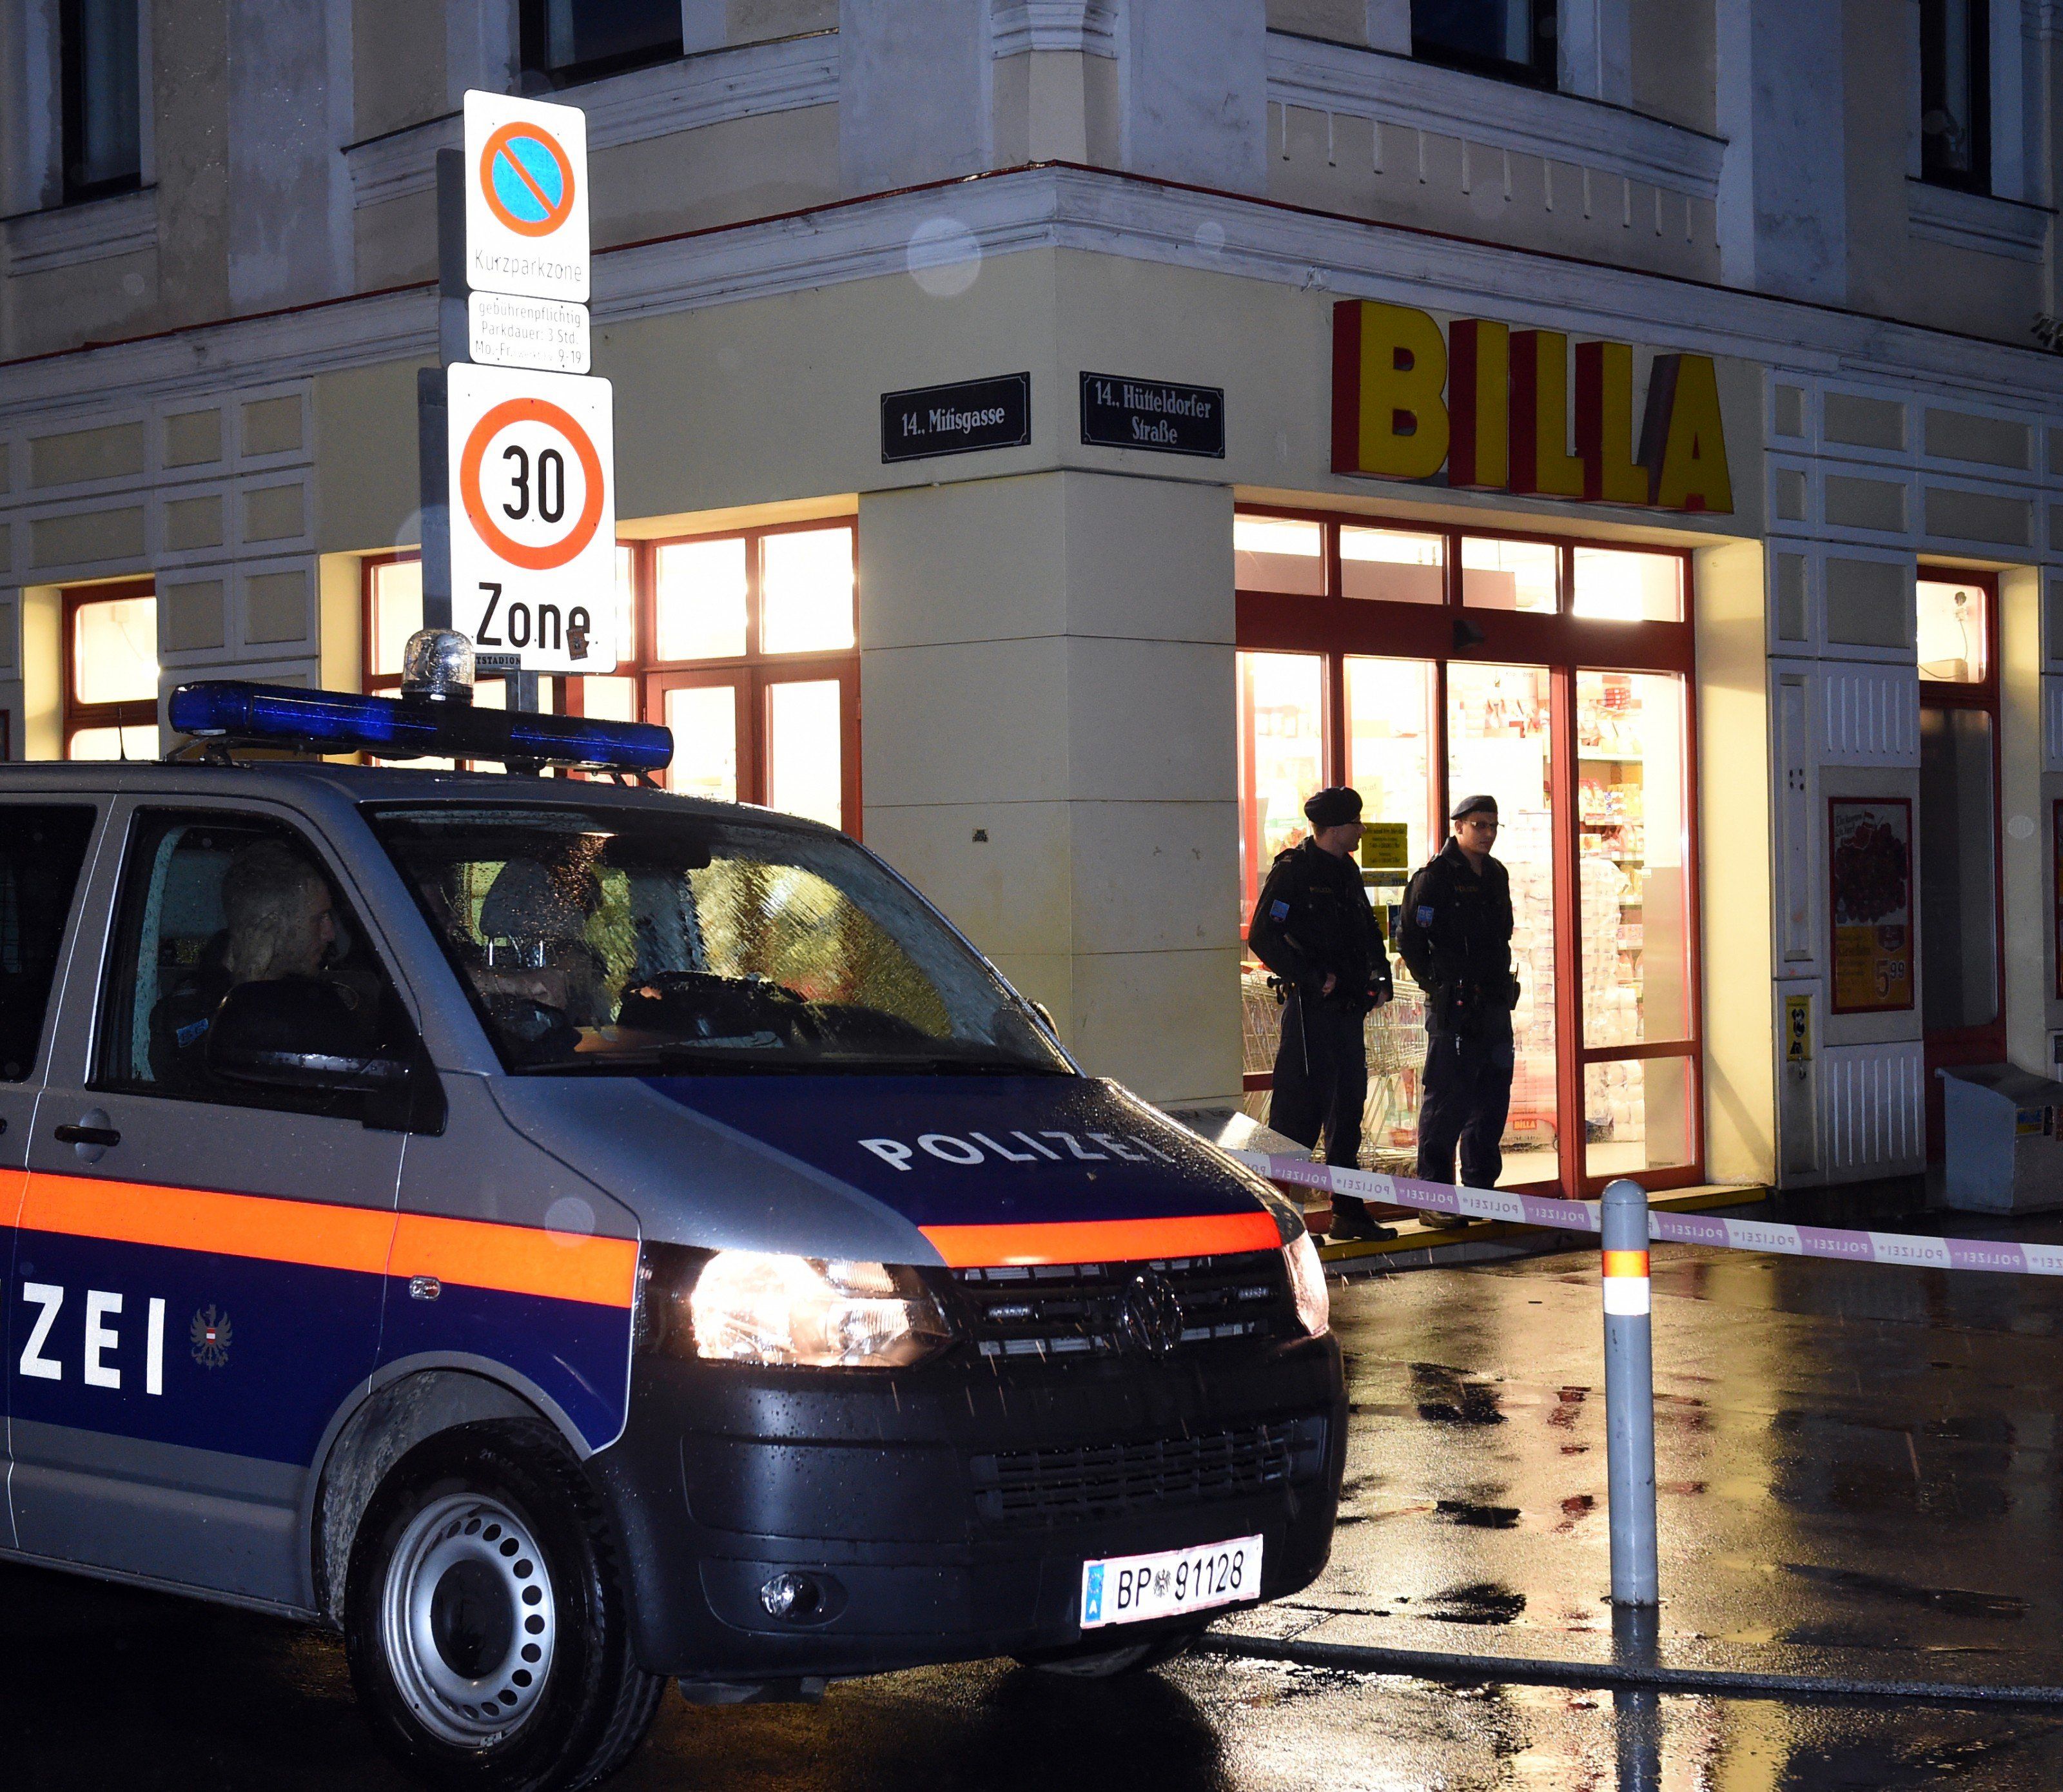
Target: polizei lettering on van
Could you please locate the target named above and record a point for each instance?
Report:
(1025, 1148)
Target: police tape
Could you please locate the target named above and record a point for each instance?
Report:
(1910, 1250)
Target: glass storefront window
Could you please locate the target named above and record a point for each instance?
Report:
(1275, 553)
(396, 597)
(1511, 575)
(138, 742)
(1613, 586)
(114, 653)
(1392, 566)
(1390, 744)
(805, 771)
(704, 719)
(1500, 722)
(1632, 884)
(1959, 966)
(1954, 632)
(701, 599)
(1281, 756)
(806, 595)
(1637, 1115)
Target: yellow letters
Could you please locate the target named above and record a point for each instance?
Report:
(1480, 364)
(1541, 462)
(1400, 423)
(1604, 425)
(1684, 442)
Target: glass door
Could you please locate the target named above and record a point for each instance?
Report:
(1962, 991)
(1424, 665)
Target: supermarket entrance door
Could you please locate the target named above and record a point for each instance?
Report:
(1352, 669)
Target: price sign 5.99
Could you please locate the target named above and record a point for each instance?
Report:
(533, 516)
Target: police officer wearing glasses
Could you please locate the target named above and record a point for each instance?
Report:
(1454, 936)
(1314, 929)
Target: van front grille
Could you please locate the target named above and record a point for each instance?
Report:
(1056, 1312)
(1071, 1484)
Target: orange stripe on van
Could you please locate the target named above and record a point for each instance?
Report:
(468, 1253)
(1202, 1234)
(517, 1259)
(316, 1233)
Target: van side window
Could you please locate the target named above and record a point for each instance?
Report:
(42, 849)
(213, 901)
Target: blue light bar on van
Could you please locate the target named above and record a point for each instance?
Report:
(389, 728)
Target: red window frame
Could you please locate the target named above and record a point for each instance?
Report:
(1338, 628)
(753, 673)
(140, 713)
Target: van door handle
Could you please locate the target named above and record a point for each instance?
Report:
(88, 1136)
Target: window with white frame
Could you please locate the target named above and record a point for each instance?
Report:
(567, 41)
(1512, 40)
(1954, 94)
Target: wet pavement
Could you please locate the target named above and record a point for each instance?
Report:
(1858, 1467)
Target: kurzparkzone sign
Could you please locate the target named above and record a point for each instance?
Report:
(526, 209)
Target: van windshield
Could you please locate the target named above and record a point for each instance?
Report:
(599, 940)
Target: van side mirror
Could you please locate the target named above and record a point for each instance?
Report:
(297, 1033)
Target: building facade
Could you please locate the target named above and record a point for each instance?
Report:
(1643, 409)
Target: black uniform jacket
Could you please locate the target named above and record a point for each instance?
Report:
(1312, 917)
(1454, 936)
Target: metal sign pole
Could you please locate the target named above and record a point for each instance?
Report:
(1629, 1393)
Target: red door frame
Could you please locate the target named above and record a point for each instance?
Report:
(1966, 1045)
(1336, 627)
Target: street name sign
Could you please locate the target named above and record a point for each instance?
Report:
(526, 209)
(959, 419)
(532, 504)
(1120, 412)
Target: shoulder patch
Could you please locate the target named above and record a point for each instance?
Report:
(1425, 914)
(192, 1030)
(1279, 911)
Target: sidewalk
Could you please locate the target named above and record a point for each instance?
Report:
(1858, 1465)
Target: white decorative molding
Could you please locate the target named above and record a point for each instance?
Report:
(1992, 226)
(712, 88)
(1873, 1108)
(91, 231)
(1101, 211)
(1869, 715)
(1396, 90)
(1088, 27)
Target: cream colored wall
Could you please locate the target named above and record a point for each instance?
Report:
(340, 625)
(1047, 661)
(2025, 842)
(1734, 834)
(398, 58)
(1675, 57)
(42, 690)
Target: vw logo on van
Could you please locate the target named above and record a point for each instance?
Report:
(1149, 1315)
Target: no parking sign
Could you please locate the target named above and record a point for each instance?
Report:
(526, 223)
(533, 478)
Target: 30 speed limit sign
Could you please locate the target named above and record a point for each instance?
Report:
(533, 516)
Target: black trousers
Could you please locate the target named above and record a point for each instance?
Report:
(1320, 1079)
(1466, 1095)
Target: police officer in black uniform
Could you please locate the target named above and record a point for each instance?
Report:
(1454, 936)
(1314, 929)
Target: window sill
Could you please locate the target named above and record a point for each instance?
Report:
(1497, 114)
(711, 87)
(90, 229)
(1980, 222)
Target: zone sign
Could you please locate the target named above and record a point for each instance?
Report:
(533, 516)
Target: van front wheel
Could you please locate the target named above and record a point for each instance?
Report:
(485, 1619)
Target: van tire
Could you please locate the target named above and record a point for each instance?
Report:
(1105, 1663)
(481, 1669)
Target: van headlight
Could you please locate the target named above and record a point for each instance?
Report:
(813, 1312)
(1307, 1285)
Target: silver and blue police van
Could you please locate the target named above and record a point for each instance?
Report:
(570, 1237)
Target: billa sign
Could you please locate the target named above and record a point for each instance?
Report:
(1490, 407)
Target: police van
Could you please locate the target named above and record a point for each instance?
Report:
(570, 1237)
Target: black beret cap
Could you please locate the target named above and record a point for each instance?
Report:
(1468, 805)
(1332, 806)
